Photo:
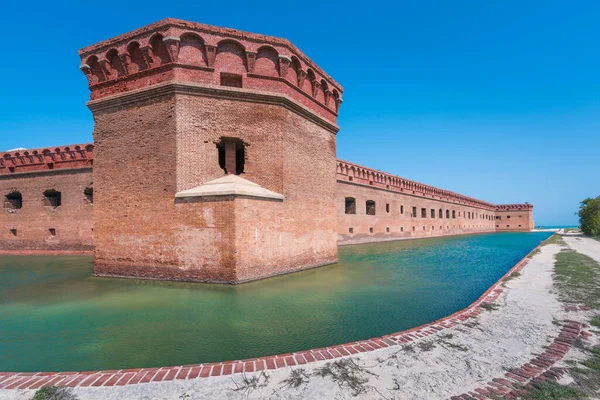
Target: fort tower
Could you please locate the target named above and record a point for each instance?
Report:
(214, 154)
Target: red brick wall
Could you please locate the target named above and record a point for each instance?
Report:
(518, 220)
(395, 224)
(147, 153)
(72, 221)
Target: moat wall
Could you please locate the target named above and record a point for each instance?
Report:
(38, 226)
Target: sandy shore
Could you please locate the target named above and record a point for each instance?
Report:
(448, 363)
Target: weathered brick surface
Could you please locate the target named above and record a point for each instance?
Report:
(396, 224)
(148, 152)
(27, 230)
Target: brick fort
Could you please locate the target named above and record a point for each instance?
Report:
(214, 159)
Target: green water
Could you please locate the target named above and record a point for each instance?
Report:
(54, 316)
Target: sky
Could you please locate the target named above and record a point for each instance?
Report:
(498, 100)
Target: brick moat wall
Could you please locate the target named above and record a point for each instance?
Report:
(37, 225)
(393, 216)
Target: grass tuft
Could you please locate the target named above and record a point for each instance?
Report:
(554, 391)
(578, 278)
(54, 393)
(554, 239)
(489, 306)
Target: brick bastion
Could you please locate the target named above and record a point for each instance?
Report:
(214, 159)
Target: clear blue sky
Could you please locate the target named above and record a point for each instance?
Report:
(498, 100)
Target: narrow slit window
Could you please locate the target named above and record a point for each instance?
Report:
(370, 207)
(350, 205)
(88, 192)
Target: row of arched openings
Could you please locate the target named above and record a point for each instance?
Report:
(229, 56)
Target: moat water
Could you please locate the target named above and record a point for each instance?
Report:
(54, 316)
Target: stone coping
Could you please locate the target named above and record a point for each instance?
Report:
(107, 378)
(230, 185)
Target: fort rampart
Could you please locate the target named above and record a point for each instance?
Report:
(214, 159)
(47, 199)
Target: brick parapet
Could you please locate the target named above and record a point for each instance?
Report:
(47, 159)
(358, 174)
(33, 380)
(179, 50)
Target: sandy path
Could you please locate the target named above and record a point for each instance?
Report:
(589, 247)
(451, 362)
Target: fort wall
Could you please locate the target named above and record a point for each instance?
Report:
(30, 224)
(214, 159)
(514, 217)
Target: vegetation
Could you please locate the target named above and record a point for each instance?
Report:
(346, 373)
(54, 393)
(578, 278)
(489, 306)
(554, 391)
(554, 239)
(589, 216)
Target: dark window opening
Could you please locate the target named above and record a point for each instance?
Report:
(519, 226)
(350, 205)
(432, 213)
(508, 226)
(401, 209)
(371, 230)
(387, 208)
(13, 200)
(401, 229)
(414, 212)
(52, 198)
(88, 192)
(387, 229)
(52, 231)
(453, 214)
(232, 155)
(413, 228)
(448, 214)
(423, 213)
(14, 232)
(350, 230)
(231, 80)
(440, 213)
(508, 217)
(370, 207)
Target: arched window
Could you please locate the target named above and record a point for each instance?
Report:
(350, 205)
(440, 213)
(447, 213)
(52, 198)
(370, 207)
(453, 214)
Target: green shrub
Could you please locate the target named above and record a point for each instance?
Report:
(589, 216)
